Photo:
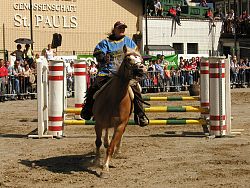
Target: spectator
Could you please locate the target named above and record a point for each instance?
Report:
(218, 15)
(247, 71)
(3, 80)
(234, 70)
(28, 54)
(229, 21)
(178, 14)
(167, 76)
(173, 13)
(93, 72)
(150, 8)
(159, 69)
(242, 72)
(162, 60)
(203, 3)
(36, 58)
(158, 8)
(26, 73)
(18, 53)
(243, 21)
(182, 71)
(33, 79)
(188, 73)
(9, 84)
(49, 53)
(17, 72)
(70, 77)
(151, 65)
(174, 79)
(210, 16)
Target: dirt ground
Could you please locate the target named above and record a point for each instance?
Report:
(153, 156)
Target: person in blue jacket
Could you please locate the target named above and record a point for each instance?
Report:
(108, 54)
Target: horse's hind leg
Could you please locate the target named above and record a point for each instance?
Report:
(98, 143)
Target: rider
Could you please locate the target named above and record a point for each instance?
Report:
(107, 52)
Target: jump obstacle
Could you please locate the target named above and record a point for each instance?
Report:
(52, 105)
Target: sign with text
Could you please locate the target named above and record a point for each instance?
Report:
(62, 15)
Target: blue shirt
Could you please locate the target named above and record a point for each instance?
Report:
(114, 49)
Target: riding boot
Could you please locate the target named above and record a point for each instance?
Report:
(140, 117)
(86, 112)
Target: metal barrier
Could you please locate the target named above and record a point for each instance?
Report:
(20, 87)
(24, 87)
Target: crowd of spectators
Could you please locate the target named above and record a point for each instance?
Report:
(241, 25)
(19, 81)
(239, 72)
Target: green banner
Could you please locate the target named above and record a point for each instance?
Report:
(172, 60)
(87, 58)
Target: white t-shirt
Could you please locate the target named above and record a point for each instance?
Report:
(70, 70)
(50, 54)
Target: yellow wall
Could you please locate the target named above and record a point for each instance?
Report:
(94, 20)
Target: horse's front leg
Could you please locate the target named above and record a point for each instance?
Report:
(106, 138)
(115, 140)
(98, 143)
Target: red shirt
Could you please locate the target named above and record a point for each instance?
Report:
(3, 71)
(194, 65)
(172, 11)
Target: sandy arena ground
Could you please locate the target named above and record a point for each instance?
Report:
(153, 156)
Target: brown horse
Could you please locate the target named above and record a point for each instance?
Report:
(113, 105)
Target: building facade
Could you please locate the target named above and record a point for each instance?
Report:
(81, 23)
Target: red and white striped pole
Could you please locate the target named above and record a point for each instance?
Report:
(80, 83)
(217, 97)
(56, 92)
(204, 87)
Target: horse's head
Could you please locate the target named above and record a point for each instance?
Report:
(132, 64)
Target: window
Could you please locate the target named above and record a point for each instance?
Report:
(192, 48)
(178, 48)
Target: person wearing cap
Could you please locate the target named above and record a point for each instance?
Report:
(109, 55)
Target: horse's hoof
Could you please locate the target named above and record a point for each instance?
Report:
(104, 175)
